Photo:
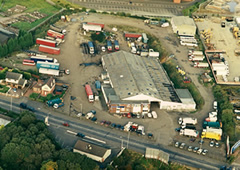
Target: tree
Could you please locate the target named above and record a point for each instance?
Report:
(10, 45)
(1, 51)
(27, 119)
(21, 42)
(49, 165)
(5, 50)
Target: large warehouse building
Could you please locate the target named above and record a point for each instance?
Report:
(183, 25)
(133, 83)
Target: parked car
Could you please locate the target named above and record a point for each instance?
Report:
(94, 119)
(192, 139)
(195, 149)
(65, 124)
(107, 123)
(177, 144)
(122, 128)
(149, 115)
(102, 122)
(177, 129)
(204, 152)
(182, 145)
(23, 105)
(113, 125)
(93, 111)
(150, 135)
(80, 135)
(129, 115)
(199, 151)
(201, 142)
(118, 126)
(217, 144)
(211, 144)
(190, 148)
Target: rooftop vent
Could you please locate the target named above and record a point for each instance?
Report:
(89, 147)
(121, 76)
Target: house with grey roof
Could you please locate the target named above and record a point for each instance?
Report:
(93, 151)
(137, 82)
(15, 80)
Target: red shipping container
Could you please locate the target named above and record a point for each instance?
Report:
(49, 50)
(132, 35)
(91, 23)
(46, 42)
(55, 34)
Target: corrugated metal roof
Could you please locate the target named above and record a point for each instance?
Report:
(133, 75)
(183, 20)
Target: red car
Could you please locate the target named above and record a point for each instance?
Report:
(129, 115)
(66, 124)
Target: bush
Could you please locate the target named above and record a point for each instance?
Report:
(4, 89)
(27, 75)
(34, 96)
(99, 36)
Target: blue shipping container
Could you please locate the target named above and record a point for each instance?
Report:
(98, 85)
(48, 65)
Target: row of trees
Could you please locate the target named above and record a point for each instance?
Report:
(225, 113)
(23, 41)
(26, 143)
(178, 83)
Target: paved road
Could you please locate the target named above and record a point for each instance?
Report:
(150, 7)
(112, 137)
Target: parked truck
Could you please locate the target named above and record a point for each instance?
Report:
(91, 47)
(89, 93)
(116, 45)
(54, 101)
(109, 45)
(187, 120)
(41, 64)
(211, 135)
(63, 31)
(189, 132)
(212, 124)
(215, 130)
(49, 50)
(92, 23)
(55, 34)
(195, 53)
(201, 65)
(196, 58)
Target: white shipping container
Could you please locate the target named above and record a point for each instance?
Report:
(49, 71)
(88, 27)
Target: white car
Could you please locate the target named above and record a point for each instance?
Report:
(204, 152)
(211, 144)
(215, 105)
(177, 144)
(149, 115)
(199, 151)
(103, 49)
(182, 145)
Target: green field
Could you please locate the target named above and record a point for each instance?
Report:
(32, 5)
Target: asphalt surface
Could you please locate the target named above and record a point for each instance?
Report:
(148, 7)
(113, 138)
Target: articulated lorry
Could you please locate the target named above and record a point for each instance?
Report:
(212, 124)
(187, 120)
(214, 130)
(46, 42)
(211, 135)
(196, 58)
(189, 132)
(89, 93)
(49, 50)
(91, 47)
(63, 31)
(55, 34)
(200, 65)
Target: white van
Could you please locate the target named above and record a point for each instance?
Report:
(154, 114)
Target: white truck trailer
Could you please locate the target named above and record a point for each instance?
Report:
(189, 132)
(210, 129)
(196, 58)
(195, 53)
(88, 27)
(201, 65)
(187, 120)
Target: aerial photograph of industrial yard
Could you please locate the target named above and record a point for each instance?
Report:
(119, 84)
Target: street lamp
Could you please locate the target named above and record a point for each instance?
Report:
(121, 142)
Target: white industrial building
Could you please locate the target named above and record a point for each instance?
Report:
(186, 98)
(183, 25)
(137, 82)
(95, 152)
